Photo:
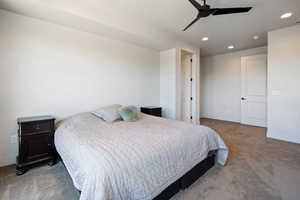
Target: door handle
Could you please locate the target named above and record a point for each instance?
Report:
(243, 98)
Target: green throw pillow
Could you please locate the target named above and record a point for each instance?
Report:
(129, 113)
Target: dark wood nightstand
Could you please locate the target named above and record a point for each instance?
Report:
(36, 142)
(155, 111)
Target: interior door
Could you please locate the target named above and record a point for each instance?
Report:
(186, 88)
(254, 90)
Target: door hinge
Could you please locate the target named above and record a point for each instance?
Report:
(191, 117)
(191, 60)
(191, 79)
(191, 98)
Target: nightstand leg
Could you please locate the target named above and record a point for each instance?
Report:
(52, 162)
(20, 171)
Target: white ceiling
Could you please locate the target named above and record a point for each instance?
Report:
(171, 16)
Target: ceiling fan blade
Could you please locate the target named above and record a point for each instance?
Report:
(225, 11)
(193, 22)
(196, 4)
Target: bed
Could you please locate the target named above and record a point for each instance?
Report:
(151, 158)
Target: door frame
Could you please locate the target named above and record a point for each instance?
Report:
(243, 86)
(187, 62)
(195, 84)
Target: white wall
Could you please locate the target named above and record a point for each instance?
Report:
(168, 83)
(284, 84)
(50, 69)
(221, 85)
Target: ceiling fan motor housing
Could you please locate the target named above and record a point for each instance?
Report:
(204, 13)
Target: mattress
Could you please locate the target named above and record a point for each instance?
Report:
(131, 160)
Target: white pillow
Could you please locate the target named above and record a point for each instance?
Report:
(109, 113)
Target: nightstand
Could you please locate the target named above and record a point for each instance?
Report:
(36, 142)
(155, 111)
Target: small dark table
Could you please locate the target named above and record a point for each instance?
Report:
(36, 142)
(151, 110)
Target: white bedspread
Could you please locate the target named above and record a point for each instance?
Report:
(131, 160)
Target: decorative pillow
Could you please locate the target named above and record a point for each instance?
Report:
(109, 113)
(129, 113)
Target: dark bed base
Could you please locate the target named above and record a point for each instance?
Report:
(188, 179)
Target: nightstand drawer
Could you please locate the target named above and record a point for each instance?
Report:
(36, 127)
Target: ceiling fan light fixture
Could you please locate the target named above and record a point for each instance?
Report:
(204, 38)
(286, 15)
(230, 47)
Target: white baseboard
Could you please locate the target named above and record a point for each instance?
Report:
(282, 138)
(219, 118)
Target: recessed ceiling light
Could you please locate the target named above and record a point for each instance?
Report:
(256, 37)
(230, 47)
(204, 38)
(286, 15)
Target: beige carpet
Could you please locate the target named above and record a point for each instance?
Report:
(258, 169)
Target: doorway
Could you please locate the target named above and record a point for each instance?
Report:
(254, 90)
(186, 86)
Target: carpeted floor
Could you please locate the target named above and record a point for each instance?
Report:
(257, 169)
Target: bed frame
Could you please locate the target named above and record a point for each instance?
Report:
(189, 178)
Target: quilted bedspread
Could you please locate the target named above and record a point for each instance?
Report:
(131, 160)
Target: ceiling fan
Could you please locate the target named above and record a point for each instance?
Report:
(204, 10)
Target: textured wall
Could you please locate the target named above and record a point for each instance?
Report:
(51, 69)
(284, 84)
(221, 84)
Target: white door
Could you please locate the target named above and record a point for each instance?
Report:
(186, 89)
(254, 90)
